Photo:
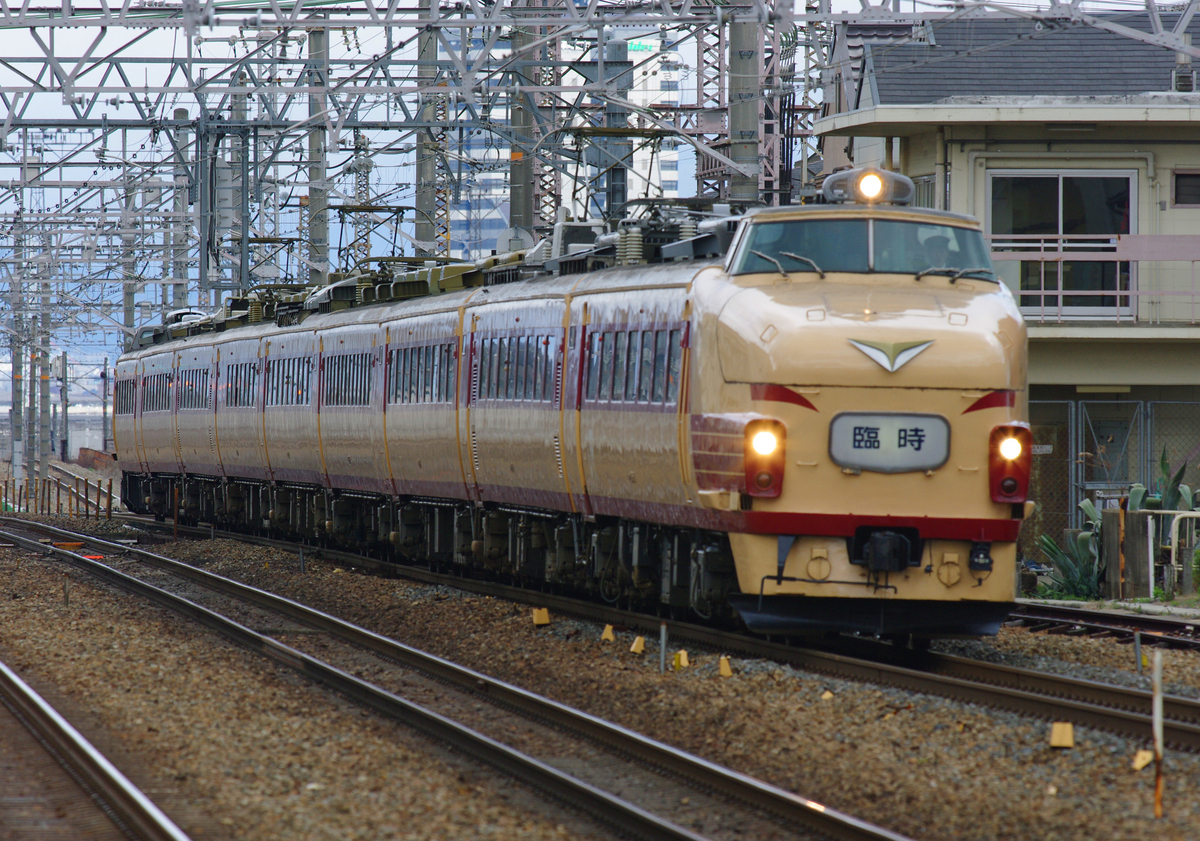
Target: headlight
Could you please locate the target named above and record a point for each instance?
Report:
(1010, 448)
(764, 443)
(870, 185)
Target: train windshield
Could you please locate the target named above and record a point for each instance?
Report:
(864, 245)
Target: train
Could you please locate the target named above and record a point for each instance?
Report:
(806, 419)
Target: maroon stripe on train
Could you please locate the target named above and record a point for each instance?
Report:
(994, 400)
(844, 525)
(779, 394)
(529, 497)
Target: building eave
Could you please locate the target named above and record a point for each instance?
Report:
(906, 120)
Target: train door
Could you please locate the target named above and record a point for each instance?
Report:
(571, 370)
(139, 444)
(176, 370)
(468, 392)
(631, 403)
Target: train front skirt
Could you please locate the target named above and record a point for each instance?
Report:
(800, 614)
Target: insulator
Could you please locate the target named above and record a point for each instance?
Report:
(256, 311)
(634, 249)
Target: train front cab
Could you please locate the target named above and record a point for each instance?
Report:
(898, 387)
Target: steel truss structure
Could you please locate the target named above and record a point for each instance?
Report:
(157, 154)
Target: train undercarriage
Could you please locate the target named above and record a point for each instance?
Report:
(642, 566)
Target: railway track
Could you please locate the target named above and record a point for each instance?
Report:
(656, 776)
(130, 813)
(1160, 631)
(1107, 707)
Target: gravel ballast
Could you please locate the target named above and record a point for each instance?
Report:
(921, 765)
(230, 745)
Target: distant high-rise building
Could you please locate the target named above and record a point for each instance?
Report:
(479, 158)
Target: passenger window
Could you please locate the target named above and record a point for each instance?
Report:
(606, 365)
(502, 369)
(539, 370)
(548, 347)
(618, 386)
(510, 372)
(674, 362)
(439, 377)
(531, 351)
(593, 377)
(414, 374)
(521, 345)
(631, 358)
(646, 366)
(660, 366)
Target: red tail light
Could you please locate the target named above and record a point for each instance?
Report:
(765, 445)
(1010, 455)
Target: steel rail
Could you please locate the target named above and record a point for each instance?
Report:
(1172, 632)
(756, 793)
(135, 812)
(1104, 706)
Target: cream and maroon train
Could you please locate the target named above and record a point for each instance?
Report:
(822, 429)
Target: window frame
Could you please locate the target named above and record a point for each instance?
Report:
(1121, 310)
(1175, 173)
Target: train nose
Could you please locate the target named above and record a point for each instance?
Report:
(796, 334)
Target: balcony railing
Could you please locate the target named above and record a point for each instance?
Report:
(1101, 278)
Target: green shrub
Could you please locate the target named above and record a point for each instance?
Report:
(1076, 571)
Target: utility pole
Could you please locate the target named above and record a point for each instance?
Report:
(318, 191)
(424, 229)
(64, 435)
(31, 430)
(18, 354)
(104, 407)
(241, 198)
(617, 183)
(179, 226)
(520, 165)
(18, 397)
(44, 397)
(745, 61)
(128, 275)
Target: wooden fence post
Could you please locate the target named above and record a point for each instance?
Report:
(108, 514)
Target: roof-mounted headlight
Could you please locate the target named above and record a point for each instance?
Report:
(868, 186)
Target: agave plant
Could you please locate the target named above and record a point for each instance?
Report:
(1076, 569)
(1176, 496)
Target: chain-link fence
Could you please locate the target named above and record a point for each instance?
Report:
(1175, 431)
(1051, 482)
(1096, 449)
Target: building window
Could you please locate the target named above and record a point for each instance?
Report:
(670, 185)
(1057, 212)
(924, 194)
(669, 165)
(1186, 190)
(670, 85)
